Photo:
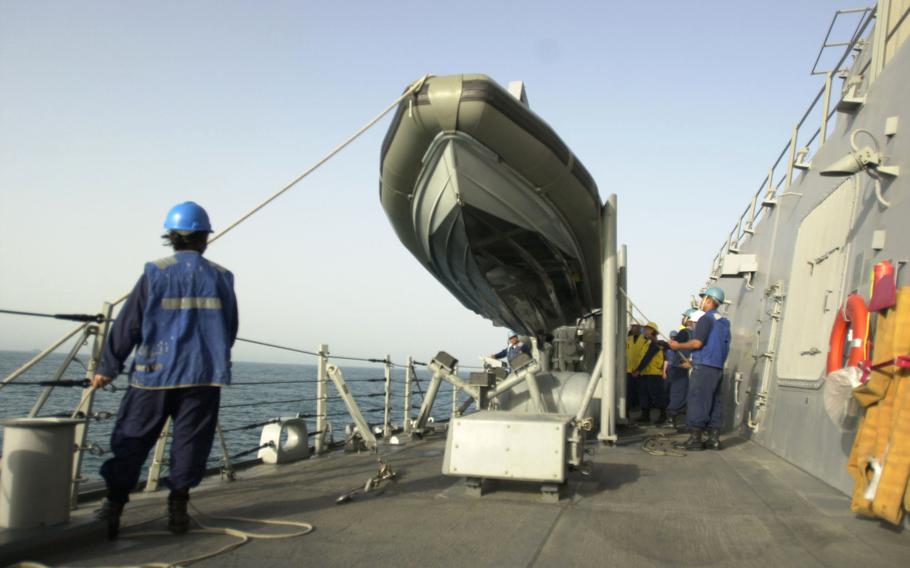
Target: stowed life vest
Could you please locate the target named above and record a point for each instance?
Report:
(636, 347)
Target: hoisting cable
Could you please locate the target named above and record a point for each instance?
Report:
(88, 318)
(414, 88)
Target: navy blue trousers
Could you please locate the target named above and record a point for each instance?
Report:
(679, 389)
(143, 412)
(631, 392)
(705, 407)
(651, 393)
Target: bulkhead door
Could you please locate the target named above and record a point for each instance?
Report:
(816, 284)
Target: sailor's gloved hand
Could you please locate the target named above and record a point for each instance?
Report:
(99, 381)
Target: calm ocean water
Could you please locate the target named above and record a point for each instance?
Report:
(261, 391)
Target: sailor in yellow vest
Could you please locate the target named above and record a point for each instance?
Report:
(649, 375)
(636, 346)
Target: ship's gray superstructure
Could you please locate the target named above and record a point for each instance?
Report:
(810, 237)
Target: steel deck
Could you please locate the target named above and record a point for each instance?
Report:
(743, 506)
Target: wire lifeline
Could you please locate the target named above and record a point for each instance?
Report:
(65, 383)
(310, 399)
(34, 360)
(275, 346)
(315, 354)
(87, 318)
(291, 382)
(252, 450)
(250, 426)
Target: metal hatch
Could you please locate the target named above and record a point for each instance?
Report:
(816, 287)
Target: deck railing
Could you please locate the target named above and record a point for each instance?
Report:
(386, 410)
(799, 149)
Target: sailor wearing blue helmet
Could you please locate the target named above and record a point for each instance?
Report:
(513, 349)
(678, 370)
(710, 345)
(181, 318)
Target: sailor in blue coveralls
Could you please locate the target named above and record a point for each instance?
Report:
(678, 370)
(182, 319)
(512, 350)
(710, 345)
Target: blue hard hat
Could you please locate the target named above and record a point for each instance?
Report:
(512, 334)
(688, 312)
(187, 216)
(714, 292)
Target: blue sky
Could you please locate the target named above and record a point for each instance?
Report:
(111, 112)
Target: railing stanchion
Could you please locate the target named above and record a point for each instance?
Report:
(792, 158)
(455, 394)
(158, 459)
(88, 396)
(321, 402)
(826, 108)
(408, 378)
(227, 467)
(387, 409)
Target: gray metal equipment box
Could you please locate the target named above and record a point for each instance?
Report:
(506, 445)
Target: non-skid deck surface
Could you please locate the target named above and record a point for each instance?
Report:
(739, 507)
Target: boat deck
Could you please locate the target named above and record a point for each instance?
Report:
(743, 506)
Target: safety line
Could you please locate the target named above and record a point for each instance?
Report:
(242, 537)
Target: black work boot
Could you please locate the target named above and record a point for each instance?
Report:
(661, 418)
(178, 520)
(645, 417)
(110, 512)
(670, 423)
(695, 443)
(713, 441)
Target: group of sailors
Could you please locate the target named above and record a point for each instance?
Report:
(681, 378)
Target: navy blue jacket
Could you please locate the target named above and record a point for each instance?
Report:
(182, 315)
(512, 351)
(713, 331)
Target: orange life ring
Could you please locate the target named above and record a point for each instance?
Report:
(855, 317)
